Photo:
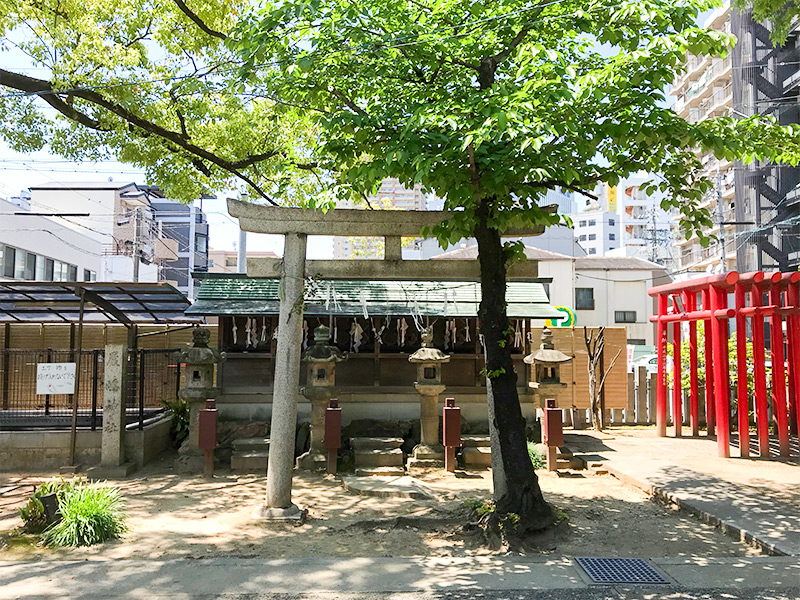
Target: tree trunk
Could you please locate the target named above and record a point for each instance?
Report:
(521, 494)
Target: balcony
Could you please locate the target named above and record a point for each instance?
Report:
(792, 83)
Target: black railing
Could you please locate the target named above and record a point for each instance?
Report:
(21, 406)
(153, 377)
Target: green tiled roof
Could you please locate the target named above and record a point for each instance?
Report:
(347, 297)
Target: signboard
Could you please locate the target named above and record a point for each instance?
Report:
(55, 378)
(568, 322)
(611, 197)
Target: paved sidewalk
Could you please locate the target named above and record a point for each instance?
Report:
(208, 578)
(752, 499)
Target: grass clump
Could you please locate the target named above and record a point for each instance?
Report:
(537, 458)
(90, 514)
(32, 513)
(179, 427)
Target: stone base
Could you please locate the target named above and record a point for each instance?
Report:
(69, 469)
(190, 463)
(312, 462)
(425, 463)
(110, 472)
(267, 513)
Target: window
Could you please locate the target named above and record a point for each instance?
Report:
(612, 222)
(201, 244)
(584, 298)
(625, 316)
(40, 264)
(89, 275)
(592, 223)
(72, 273)
(612, 236)
(592, 250)
(8, 262)
(582, 238)
(49, 265)
(581, 223)
(592, 237)
(636, 342)
(230, 261)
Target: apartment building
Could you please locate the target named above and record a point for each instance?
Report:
(645, 228)
(38, 248)
(392, 195)
(754, 206)
(118, 216)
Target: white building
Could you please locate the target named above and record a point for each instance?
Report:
(705, 90)
(116, 215)
(600, 290)
(37, 248)
(645, 228)
(597, 230)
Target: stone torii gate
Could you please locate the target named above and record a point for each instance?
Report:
(296, 225)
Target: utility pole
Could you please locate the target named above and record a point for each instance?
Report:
(722, 265)
(137, 243)
(192, 248)
(653, 245)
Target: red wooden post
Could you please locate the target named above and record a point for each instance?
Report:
(793, 332)
(778, 371)
(677, 391)
(742, 397)
(719, 332)
(690, 301)
(759, 372)
(661, 389)
(709, 366)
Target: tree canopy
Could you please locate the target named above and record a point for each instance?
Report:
(148, 83)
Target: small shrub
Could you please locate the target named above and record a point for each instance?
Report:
(32, 514)
(90, 514)
(179, 428)
(537, 458)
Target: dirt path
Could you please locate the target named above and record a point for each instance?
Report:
(171, 515)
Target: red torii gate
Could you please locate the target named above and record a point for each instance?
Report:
(783, 293)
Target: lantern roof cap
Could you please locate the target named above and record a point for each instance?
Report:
(321, 350)
(428, 353)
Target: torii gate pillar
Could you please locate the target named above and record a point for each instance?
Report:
(286, 385)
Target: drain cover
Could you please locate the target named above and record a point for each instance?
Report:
(620, 570)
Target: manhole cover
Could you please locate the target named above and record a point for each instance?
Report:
(620, 570)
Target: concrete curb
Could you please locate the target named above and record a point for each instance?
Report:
(729, 528)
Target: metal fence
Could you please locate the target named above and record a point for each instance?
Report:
(153, 376)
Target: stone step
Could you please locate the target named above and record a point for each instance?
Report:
(250, 445)
(379, 458)
(375, 443)
(575, 463)
(475, 441)
(250, 462)
(380, 471)
(563, 452)
(479, 456)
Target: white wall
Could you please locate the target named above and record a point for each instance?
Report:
(49, 238)
(120, 268)
(618, 290)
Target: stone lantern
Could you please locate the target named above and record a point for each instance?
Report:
(429, 452)
(198, 387)
(321, 359)
(547, 361)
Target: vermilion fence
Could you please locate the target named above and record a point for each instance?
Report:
(760, 306)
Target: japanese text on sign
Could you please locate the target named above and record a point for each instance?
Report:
(55, 378)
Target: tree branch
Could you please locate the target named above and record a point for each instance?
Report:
(198, 21)
(551, 183)
(45, 91)
(348, 102)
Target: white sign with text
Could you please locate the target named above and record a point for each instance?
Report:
(55, 378)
